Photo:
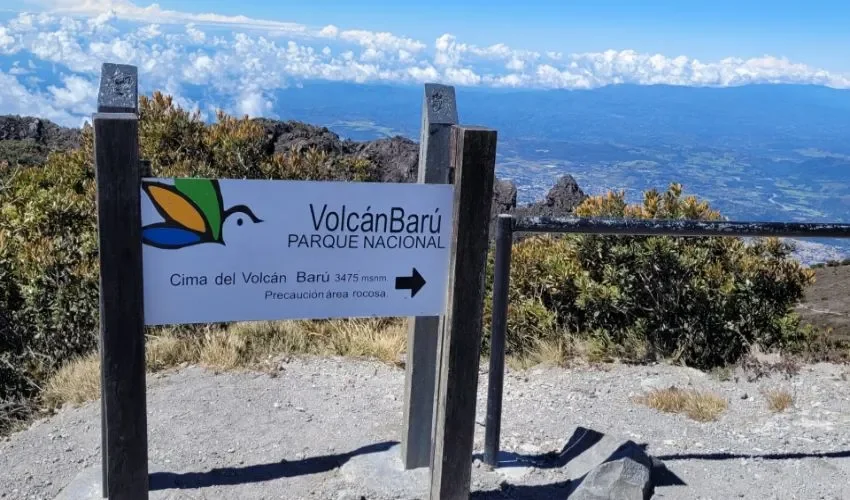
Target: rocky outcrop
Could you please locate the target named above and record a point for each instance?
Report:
(397, 158)
(42, 132)
(561, 200)
(285, 136)
(504, 198)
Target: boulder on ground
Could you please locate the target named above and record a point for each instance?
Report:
(623, 479)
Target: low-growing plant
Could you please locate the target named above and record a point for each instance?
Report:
(779, 400)
(703, 301)
(240, 346)
(25, 153)
(697, 405)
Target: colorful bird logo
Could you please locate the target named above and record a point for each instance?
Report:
(193, 211)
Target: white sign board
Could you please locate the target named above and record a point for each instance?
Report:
(241, 250)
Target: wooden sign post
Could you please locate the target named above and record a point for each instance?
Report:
(473, 162)
(439, 113)
(373, 249)
(122, 341)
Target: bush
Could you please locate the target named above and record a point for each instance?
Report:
(703, 301)
(48, 231)
(22, 153)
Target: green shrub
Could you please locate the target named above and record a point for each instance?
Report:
(699, 300)
(23, 153)
(48, 231)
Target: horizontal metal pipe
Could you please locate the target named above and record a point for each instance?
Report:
(658, 227)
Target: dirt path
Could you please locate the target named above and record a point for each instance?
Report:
(252, 436)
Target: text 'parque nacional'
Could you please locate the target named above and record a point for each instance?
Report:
(345, 227)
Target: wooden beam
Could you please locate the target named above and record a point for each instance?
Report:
(122, 349)
(473, 162)
(439, 113)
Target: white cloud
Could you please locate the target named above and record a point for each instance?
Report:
(149, 32)
(329, 31)
(253, 103)
(7, 41)
(383, 41)
(17, 99)
(247, 62)
(79, 95)
(127, 10)
(195, 35)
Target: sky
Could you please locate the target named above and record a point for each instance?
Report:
(51, 50)
(698, 28)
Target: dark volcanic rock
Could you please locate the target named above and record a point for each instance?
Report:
(560, 201)
(504, 197)
(291, 135)
(397, 158)
(43, 132)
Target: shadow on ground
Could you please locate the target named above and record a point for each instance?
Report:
(260, 473)
(580, 443)
(537, 492)
(767, 456)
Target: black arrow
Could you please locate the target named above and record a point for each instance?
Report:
(413, 283)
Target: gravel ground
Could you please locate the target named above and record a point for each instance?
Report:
(252, 436)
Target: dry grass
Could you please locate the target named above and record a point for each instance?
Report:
(77, 382)
(697, 405)
(779, 400)
(168, 350)
(240, 346)
(558, 352)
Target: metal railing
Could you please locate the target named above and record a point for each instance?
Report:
(507, 226)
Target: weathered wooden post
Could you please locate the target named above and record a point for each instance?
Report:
(439, 113)
(122, 348)
(501, 282)
(473, 162)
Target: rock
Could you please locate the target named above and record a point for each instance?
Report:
(561, 200)
(282, 137)
(504, 202)
(44, 132)
(397, 158)
(27, 141)
(622, 479)
(504, 197)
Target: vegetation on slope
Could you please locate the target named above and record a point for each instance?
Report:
(697, 300)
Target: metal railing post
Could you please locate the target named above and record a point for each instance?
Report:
(501, 282)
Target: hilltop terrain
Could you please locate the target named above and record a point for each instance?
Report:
(324, 428)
